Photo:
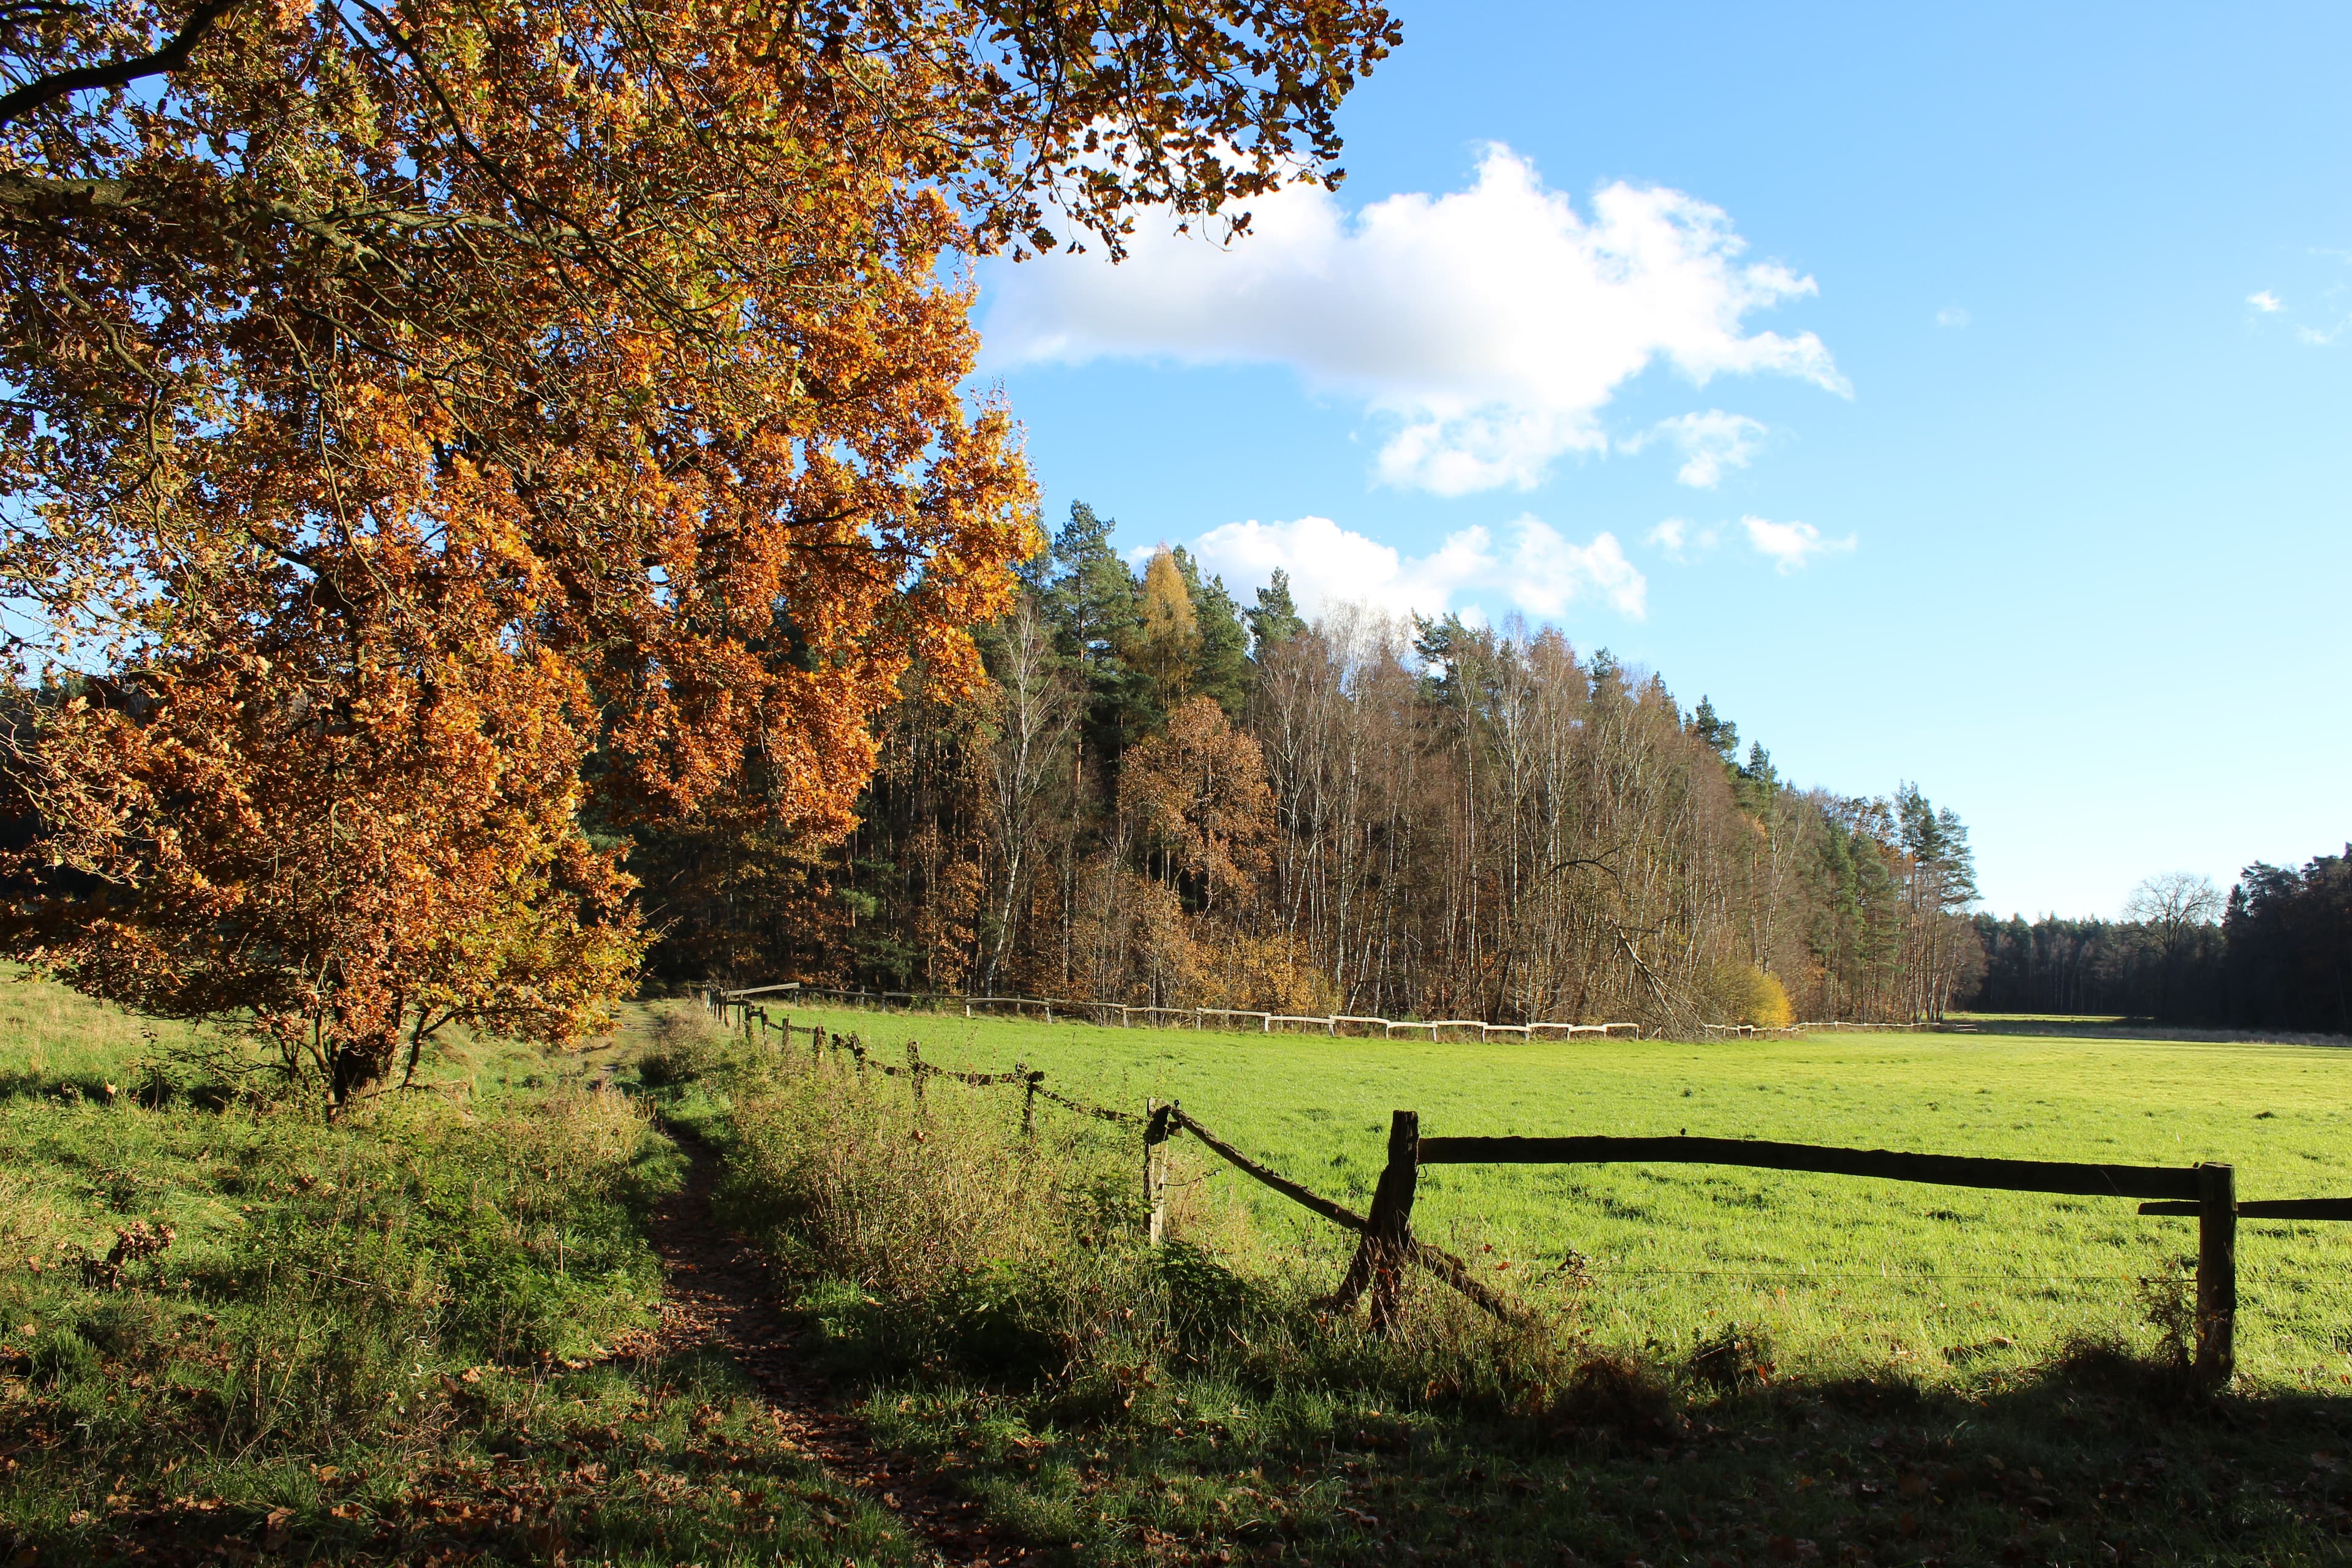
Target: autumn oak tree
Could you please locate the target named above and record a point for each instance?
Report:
(430, 426)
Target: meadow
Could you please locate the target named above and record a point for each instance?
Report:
(431, 1331)
(1843, 1276)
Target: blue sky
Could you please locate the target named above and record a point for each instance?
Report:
(1962, 398)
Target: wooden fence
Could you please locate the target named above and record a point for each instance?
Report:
(2207, 1191)
(1387, 1245)
(1125, 1013)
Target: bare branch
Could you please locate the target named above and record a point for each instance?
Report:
(42, 90)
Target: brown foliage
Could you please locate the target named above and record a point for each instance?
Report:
(354, 856)
(409, 407)
(1197, 794)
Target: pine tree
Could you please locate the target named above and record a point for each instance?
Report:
(1091, 604)
(1275, 619)
(1720, 736)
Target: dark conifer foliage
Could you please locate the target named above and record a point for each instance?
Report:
(2288, 935)
(1222, 668)
(2096, 967)
(1275, 620)
(2279, 960)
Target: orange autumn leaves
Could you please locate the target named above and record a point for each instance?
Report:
(432, 431)
(1198, 795)
(411, 535)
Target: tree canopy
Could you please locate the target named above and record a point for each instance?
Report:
(569, 392)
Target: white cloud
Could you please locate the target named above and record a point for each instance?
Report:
(1792, 544)
(1485, 329)
(1534, 569)
(1709, 442)
(2268, 303)
(1952, 316)
(1680, 542)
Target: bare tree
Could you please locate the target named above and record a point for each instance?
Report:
(1036, 713)
(2169, 906)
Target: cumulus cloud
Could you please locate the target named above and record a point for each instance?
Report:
(1532, 568)
(1485, 330)
(1709, 442)
(1790, 545)
(1952, 316)
(2268, 303)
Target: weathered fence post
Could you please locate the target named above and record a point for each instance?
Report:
(856, 1052)
(915, 1071)
(1392, 1216)
(1029, 1082)
(2217, 1274)
(1381, 1257)
(1155, 1168)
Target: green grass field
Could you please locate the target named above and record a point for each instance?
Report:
(388, 1339)
(1844, 1275)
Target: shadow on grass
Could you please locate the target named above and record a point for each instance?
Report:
(153, 1090)
(2096, 1457)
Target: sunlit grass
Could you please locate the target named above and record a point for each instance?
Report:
(1845, 1275)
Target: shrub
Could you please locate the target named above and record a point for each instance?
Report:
(1743, 994)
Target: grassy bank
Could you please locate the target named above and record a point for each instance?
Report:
(227, 1330)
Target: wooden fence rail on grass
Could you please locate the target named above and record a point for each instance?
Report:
(1386, 1245)
(2209, 1190)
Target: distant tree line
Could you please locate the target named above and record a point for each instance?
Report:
(1159, 793)
(2278, 958)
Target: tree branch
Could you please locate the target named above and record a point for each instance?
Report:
(45, 89)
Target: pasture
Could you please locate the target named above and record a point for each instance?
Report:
(1844, 1277)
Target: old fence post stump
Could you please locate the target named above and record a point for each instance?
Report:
(1029, 1082)
(1155, 1168)
(2217, 1274)
(915, 1071)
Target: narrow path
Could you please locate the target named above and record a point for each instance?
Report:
(716, 1293)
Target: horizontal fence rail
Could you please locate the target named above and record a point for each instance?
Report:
(2211, 1191)
(2269, 1208)
(1947, 1170)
